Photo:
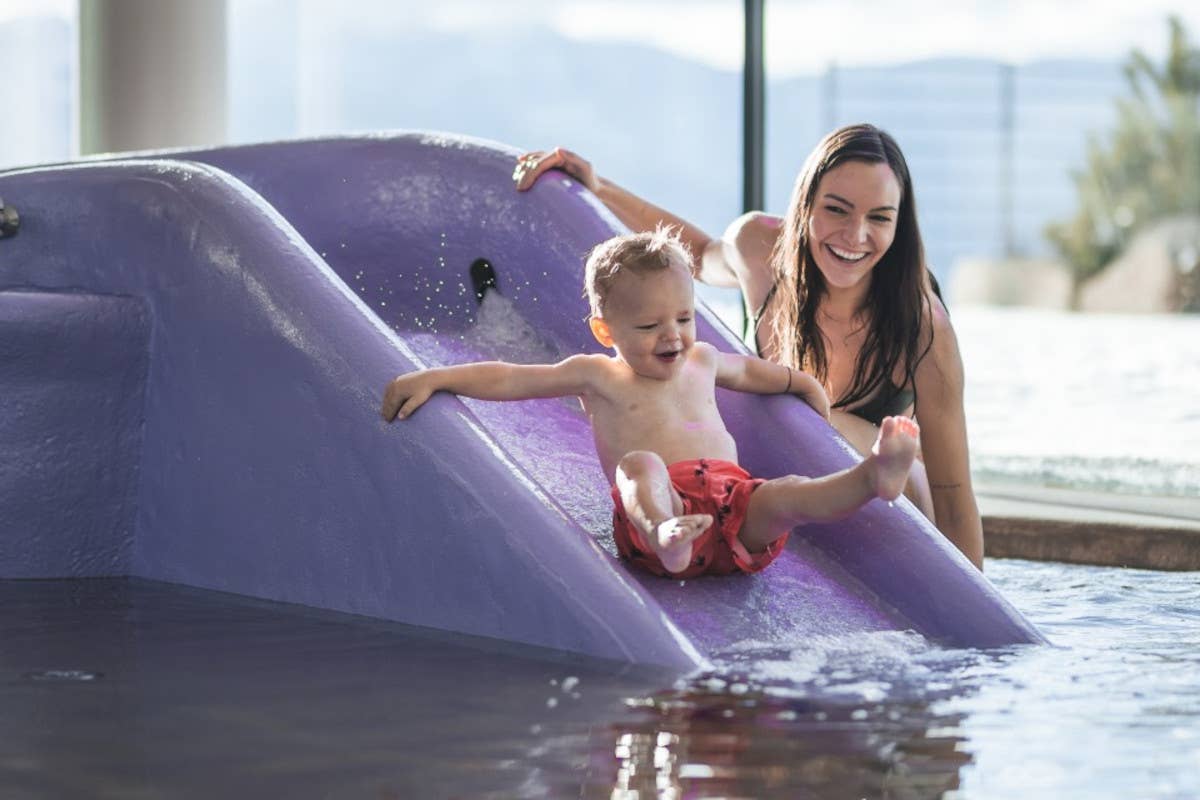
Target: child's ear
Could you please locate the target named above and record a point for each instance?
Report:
(601, 331)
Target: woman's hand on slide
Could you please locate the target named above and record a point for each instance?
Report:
(530, 167)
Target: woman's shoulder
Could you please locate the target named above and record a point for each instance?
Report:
(754, 230)
(745, 249)
(942, 360)
(939, 321)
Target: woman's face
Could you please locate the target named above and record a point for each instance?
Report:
(853, 221)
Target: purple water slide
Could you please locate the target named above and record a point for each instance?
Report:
(207, 333)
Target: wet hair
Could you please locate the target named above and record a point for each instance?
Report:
(638, 253)
(896, 310)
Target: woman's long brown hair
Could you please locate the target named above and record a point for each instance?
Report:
(897, 316)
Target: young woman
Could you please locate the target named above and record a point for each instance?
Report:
(840, 289)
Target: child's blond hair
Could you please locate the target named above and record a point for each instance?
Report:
(639, 253)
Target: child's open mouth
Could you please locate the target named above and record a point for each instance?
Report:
(668, 357)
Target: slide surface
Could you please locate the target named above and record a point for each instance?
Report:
(251, 302)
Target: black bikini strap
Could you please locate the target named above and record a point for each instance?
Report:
(757, 316)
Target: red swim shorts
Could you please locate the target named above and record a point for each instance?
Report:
(707, 486)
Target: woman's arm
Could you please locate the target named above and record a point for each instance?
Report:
(634, 212)
(742, 257)
(939, 383)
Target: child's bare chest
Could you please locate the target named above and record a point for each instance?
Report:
(685, 399)
(643, 404)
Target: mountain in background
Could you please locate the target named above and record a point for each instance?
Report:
(990, 146)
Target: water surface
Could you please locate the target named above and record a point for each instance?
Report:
(128, 688)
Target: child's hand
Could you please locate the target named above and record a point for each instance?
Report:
(810, 390)
(405, 394)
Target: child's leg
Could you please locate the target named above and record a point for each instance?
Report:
(656, 509)
(779, 505)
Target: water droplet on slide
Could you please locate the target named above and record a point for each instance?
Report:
(65, 675)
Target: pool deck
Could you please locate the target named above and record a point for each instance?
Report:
(1106, 529)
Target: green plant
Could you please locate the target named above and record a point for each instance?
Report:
(1148, 169)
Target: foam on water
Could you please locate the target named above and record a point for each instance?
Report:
(1129, 475)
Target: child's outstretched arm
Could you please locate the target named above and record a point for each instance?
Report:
(759, 376)
(488, 380)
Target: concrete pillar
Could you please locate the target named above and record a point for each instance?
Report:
(152, 74)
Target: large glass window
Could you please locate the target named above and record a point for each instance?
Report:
(993, 113)
(649, 92)
(38, 75)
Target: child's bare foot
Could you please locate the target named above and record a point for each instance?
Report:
(675, 537)
(893, 454)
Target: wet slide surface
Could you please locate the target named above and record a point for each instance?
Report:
(273, 290)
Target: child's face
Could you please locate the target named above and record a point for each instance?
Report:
(651, 320)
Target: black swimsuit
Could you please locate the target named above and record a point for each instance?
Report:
(890, 401)
(753, 318)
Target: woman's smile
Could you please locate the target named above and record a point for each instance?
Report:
(849, 256)
(853, 221)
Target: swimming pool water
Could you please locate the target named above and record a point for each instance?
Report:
(1105, 402)
(196, 694)
(1113, 710)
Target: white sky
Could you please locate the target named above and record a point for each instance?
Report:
(42, 8)
(803, 36)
